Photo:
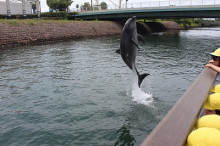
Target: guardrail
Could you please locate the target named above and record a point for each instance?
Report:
(158, 4)
(180, 120)
(166, 4)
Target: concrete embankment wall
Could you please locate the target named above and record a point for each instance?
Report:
(23, 34)
(34, 32)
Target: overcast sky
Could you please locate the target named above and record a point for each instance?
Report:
(44, 7)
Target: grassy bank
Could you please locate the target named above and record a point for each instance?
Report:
(49, 15)
(17, 22)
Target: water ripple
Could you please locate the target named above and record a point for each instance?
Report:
(80, 92)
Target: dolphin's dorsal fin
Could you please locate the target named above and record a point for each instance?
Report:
(135, 43)
(140, 38)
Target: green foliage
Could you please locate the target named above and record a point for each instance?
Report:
(188, 22)
(73, 13)
(184, 22)
(103, 6)
(52, 15)
(13, 23)
(86, 6)
(60, 5)
(3, 16)
(17, 22)
(62, 14)
(77, 6)
(96, 8)
(19, 16)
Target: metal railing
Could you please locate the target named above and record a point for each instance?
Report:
(159, 4)
(166, 4)
(180, 120)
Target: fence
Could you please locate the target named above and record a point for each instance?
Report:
(180, 120)
(166, 4)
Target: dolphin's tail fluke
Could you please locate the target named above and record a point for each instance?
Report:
(141, 78)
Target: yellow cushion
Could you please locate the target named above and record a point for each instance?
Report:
(216, 88)
(204, 137)
(213, 102)
(210, 121)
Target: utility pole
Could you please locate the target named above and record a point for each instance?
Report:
(126, 5)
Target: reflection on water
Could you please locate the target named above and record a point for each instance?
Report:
(80, 92)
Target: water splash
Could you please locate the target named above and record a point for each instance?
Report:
(138, 95)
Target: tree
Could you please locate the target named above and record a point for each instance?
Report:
(60, 5)
(86, 6)
(103, 6)
(77, 6)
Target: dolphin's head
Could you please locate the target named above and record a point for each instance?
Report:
(130, 24)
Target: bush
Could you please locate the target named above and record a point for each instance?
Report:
(188, 22)
(73, 13)
(53, 15)
(19, 16)
(61, 14)
(3, 16)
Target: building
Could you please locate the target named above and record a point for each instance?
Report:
(18, 7)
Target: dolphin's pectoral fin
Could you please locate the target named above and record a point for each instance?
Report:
(135, 43)
(129, 66)
(140, 38)
(118, 51)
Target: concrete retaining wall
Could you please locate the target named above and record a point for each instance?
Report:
(24, 34)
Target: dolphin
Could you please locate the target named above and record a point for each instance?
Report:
(128, 46)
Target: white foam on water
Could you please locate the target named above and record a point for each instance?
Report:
(138, 95)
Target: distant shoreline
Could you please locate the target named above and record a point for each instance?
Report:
(26, 32)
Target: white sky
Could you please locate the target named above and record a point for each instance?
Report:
(45, 8)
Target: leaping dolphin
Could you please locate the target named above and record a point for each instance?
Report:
(128, 46)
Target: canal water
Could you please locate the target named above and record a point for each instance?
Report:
(82, 93)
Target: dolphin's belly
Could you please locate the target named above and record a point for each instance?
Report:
(128, 53)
